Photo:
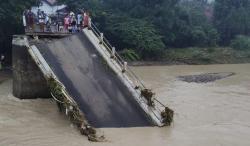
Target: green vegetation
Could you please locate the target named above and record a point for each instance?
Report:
(130, 55)
(150, 27)
(136, 33)
(11, 22)
(241, 43)
(218, 55)
(231, 18)
(73, 112)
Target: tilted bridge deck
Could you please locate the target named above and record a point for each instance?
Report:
(96, 83)
(102, 97)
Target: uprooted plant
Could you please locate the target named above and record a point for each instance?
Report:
(167, 116)
(148, 95)
(72, 111)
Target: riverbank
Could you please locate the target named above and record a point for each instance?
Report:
(199, 56)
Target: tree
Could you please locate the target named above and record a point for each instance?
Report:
(136, 33)
(232, 18)
(189, 25)
(163, 23)
(127, 25)
(11, 22)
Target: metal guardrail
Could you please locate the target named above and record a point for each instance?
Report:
(47, 71)
(132, 76)
(117, 57)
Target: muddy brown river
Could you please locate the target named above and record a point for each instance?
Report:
(206, 114)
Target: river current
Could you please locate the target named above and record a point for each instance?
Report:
(206, 114)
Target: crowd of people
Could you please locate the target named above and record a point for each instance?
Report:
(75, 23)
(68, 22)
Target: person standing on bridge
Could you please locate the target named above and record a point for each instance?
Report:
(66, 23)
(25, 20)
(72, 14)
(41, 19)
(79, 21)
(30, 20)
(47, 22)
(70, 27)
(73, 24)
(86, 20)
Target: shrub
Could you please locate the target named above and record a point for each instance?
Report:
(204, 36)
(212, 36)
(136, 33)
(241, 42)
(130, 55)
(211, 50)
(199, 37)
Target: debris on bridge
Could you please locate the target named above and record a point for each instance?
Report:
(148, 94)
(167, 115)
(72, 111)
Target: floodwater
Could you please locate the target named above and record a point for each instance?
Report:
(211, 114)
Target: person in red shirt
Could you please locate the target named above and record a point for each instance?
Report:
(31, 20)
(85, 19)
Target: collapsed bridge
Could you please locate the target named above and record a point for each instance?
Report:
(93, 77)
(103, 98)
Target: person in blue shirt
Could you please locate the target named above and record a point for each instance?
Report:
(79, 21)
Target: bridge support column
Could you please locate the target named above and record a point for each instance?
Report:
(28, 80)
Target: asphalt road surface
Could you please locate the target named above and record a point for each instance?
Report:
(103, 98)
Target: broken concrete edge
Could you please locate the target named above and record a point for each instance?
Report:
(64, 102)
(154, 113)
(29, 82)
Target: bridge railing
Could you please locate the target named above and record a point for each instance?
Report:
(137, 83)
(117, 57)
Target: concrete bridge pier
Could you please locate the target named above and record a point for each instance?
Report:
(28, 80)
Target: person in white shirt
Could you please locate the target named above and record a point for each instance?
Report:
(41, 20)
(24, 19)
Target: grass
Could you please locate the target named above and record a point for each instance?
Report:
(218, 55)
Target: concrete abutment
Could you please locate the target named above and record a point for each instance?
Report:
(28, 80)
